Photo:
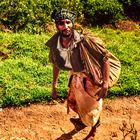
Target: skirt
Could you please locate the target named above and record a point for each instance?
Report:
(83, 98)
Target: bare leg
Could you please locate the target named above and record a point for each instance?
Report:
(91, 135)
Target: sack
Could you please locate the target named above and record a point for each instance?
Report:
(93, 54)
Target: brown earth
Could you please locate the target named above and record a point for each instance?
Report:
(124, 25)
(51, 122)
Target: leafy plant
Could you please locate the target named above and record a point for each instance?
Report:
(131, 8)
(101, 11)
(27, 15)
(32, 16)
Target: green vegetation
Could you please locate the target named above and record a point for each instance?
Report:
(26, 74)
(34, 16)
(125, 45)
(99, 12)
(131, 8)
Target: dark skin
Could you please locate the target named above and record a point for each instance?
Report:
(56, 71)
(65, 27)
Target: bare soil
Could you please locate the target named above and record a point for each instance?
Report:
(51, 122)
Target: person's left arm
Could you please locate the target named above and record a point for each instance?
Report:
(105, 72)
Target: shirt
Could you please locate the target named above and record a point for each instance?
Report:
(66, 59)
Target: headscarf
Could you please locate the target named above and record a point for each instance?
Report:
(63, 14)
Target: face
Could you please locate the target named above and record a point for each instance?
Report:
(65, 27)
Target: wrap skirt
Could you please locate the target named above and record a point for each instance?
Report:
(83, 98)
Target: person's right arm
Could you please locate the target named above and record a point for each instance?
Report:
(56, 71)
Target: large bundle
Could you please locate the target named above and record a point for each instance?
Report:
(94, 53)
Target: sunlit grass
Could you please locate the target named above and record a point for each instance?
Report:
(26, 74)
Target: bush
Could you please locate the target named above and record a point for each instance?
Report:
(27, 15)
(26, 74)
(32, 15)
(101, 11)
(131, 8)
(125, 46)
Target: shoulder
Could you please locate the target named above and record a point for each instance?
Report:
(90, 37)
(52, 41)
(94, 44)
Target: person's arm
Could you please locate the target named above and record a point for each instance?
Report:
(56, 71)
(105, 72)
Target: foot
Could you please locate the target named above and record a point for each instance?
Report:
(91, 135)
(54, 96)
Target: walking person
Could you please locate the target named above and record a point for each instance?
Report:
(91, 71)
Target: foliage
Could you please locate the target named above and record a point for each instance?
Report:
(28, 15)
(34, 16)
(72, 5)
(31, 15)
(101, 11)
(131, 8)
(26, 74)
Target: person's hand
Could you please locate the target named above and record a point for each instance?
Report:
(54, 93)
(103, 91)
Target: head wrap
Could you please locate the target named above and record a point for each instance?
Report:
(63, 14)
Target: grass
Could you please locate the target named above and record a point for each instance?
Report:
(26, 74)
(125, 45)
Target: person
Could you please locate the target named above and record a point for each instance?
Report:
(89, 66)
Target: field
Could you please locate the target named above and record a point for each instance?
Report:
(51, 122)
(26, 74)
(27, 111)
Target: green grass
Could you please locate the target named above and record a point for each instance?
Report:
(26, 74)
(126, 46)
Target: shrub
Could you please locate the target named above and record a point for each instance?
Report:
(27, 15)
(131, 8)
(32, 15)
(101, 11)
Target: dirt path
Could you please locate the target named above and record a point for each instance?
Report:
(51, 122)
